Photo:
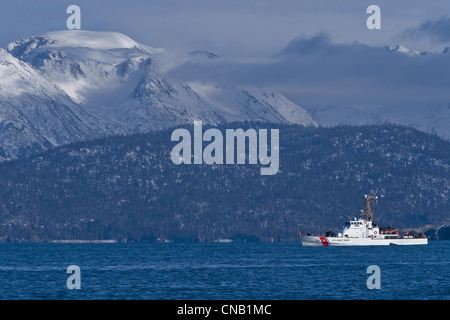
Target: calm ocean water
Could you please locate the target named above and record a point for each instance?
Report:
(274, 271)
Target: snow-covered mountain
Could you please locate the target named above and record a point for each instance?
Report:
(411, 52)
(35, 114)
(433, 119)
(73, 85)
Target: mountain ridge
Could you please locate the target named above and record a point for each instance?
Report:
(127, 188)
(112, 85)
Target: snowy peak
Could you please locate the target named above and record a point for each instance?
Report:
(404, 50)
(84, 62)
(17, 78)
(36, 115)
(95, 51)
(95, 40)
(289, 110)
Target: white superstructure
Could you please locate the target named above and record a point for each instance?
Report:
(363, 232)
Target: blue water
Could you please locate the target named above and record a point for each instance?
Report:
(285, 271)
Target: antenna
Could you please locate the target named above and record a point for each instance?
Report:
(367, 212)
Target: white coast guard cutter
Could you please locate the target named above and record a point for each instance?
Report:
(363, 232)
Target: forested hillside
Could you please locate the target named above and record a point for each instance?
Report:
(127, 188)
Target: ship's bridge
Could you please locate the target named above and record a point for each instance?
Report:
(360, 228)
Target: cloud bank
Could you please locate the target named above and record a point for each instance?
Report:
(437, 31)
(316, 71)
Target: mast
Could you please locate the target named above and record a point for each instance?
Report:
(367, 212)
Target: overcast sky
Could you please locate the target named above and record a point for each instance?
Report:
(233, 28)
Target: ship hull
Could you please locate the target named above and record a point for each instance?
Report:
(313, 241)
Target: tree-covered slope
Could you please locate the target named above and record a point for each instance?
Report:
(127, 188)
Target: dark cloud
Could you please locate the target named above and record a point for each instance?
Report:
(304, 45)
(316, 71)
(435, 30)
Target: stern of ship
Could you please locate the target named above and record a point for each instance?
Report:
(313, 241)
